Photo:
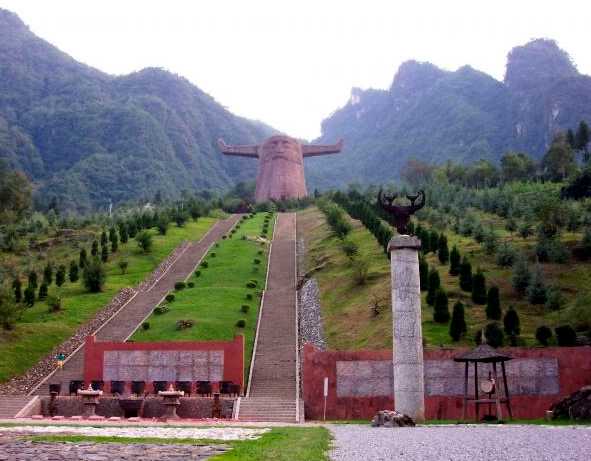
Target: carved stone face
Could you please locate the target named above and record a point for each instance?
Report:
(281, 147)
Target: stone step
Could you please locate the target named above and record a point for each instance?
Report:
(11, 405)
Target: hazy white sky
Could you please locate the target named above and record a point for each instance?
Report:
(290, 64)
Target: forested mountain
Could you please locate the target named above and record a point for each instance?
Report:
(466, 115)
(86, 137)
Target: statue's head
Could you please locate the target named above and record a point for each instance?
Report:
(281, 147)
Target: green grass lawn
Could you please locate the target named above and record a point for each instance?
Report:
(279, 444)
(214, 303)
(39, 331)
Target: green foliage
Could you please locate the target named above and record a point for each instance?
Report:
(360, 268)
(511, 322)
(457, 327)
(479, 288)
(244, 308)
(162, 309)
(43, 291)
(350, 248)
(204, 264)
(54, 303)
(494, 335)
(170, 297)
(555, 299)
(521, 276)
(565, 336)
(162, 223)
(73, 274)
(104, 239)
(466, 275)
(336, 218)
(144, 240)
(94, 276)
(441, 309)
(543, 335)
(104, 254)
(493, 304)
(525, 230)
(190, 284)
(123, 234)
(146, 326)
(94, 250)
(83, 258)
(423, 273)
(551, 250)
(33, 279)
(123, 265)
(241, 323)
(454, 261)
(490, 242)
(15, 191)
(197, 273)
(505, 256)
(48, 273)
(29, 296)
(180, 285)
(9, 310)
(60, 275)
(537, 293)
(443, 251)
(559, 162)
(17, 290)
(434, 285)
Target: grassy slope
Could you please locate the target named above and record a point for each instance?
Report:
(214, 303)
(38, 332)
(348, 322)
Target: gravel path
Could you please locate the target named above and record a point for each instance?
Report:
(536, 443)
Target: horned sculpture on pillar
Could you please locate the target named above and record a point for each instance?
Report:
(281, 164)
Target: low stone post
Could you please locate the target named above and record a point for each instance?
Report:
(409, 387)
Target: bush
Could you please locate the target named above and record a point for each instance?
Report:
(466, 275)
(493, 304)
(54, 303)
(434, 285)
(190, 284)
(146, 326)
(204, 264)
(29, 296)
(256, 261)
(537, 293)
(17, 289)
(554, 299)
(43, 289)
(180, 286)
(249, 296)
(552, 250)
(104, 254)
(212, 255)
(184, 324)
(479, 288)
(73, 272)
(9, 311)
(144, 240)
(443, 251)
(197, 273)
(162, 309)
(543, 334)
(565, 336)
(350, 248)
(494, 335)
(490, 242)
(241, 323)
(505, 255)
(441, 308)
(521, 275)
(48, 274)
(360, 270)
(457, 327)
(251, 284)
(423, 273)
(94, 276)
(579, 315)
(60, 275)
(260, 252)
(511, 322)
(525, 230)
(454, 261)
(169, 297)
(245, 308)
(123, 265)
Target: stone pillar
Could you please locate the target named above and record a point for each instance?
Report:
(409, 387)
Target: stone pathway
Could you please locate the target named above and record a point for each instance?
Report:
(17, 450)
(217, 433)
(354, 442)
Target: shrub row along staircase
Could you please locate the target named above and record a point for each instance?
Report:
(273, 391)
(124, 323)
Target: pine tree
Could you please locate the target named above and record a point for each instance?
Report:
(521, 275)
(60, 275)
(29, 296)
(433, 241)
(457, 327)
(104, 254)
(43, 289)
(33, 280)
(73, 272)
(124, 236)
(94, 250)
(114, 239)
(443, 251)
(434, 285)
(454, 261)
(537, 292)
(511, 322)
(479, 288)
(493, 304)
(441, 308)
(104, 238)
(48, 274)
(83, 259)
(18, 289)
(466, 275)
(582, 139)
(423, 273)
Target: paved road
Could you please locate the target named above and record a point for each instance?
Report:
(458, 443)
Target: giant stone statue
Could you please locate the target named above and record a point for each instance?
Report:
(281, 165)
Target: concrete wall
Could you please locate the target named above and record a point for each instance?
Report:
(360, 383)
(165, 361)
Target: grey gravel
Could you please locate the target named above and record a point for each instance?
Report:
(310, 322)
(537, 443)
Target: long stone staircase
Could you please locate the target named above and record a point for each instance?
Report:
(273, 393)
(10, 405)
(124, 323)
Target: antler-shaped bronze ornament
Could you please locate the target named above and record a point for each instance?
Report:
(401, 213)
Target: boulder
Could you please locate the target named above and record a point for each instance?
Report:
(575, 406)
(387, 418)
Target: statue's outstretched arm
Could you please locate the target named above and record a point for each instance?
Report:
(312, 150)
(238, 150)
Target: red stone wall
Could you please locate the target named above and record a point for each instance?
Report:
(233, 369)
(574, 371)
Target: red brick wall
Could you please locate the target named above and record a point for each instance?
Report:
(574, 366)
(233, 354)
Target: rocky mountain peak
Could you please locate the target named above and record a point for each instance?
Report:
(414, 76)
